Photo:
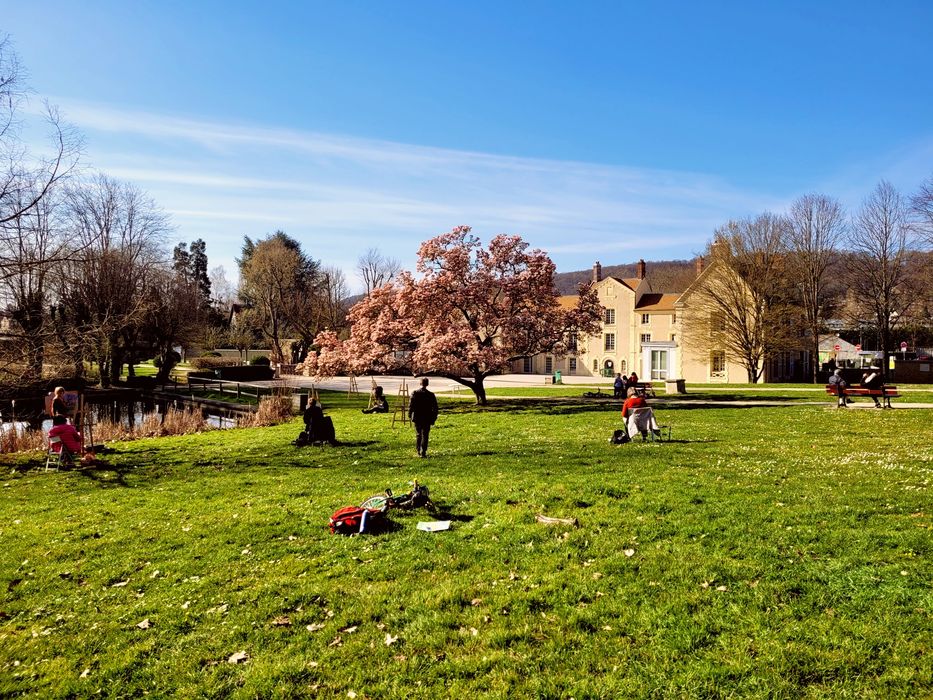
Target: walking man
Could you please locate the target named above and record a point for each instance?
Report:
(423, 413)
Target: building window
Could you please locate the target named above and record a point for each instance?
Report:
(548, 365)
(658, 365)
(595, 365)
(646, 337)
(526, 368)
(572, 368)
(717, 364)
(572, 342)
(609, 316)
(646, 318)
(717, 323)
(674, 317)
(609, 342)
(673, 337)
(622, 366)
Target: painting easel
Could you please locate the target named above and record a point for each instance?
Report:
(400, 413)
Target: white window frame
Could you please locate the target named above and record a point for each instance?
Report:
(609, 342)
(646, 337)
(645, 319)
(609, 316)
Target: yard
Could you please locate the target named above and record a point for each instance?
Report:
(777, 552)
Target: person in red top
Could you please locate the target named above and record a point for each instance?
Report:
(71, 438)
(633, 401)
(633, 379)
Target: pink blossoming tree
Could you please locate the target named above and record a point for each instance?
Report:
(470, 313)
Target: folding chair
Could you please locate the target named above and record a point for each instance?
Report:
(62, 457)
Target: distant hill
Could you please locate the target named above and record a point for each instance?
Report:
(666, 276)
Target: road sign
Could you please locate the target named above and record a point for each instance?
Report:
(837, 347)
(903, 345)
(858, 348)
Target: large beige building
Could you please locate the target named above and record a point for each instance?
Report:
(642, 331)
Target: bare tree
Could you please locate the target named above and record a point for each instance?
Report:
(32, 247)
(173, 316)
(223, 293)
(375, 269)
(26, 179)
(742, 305)
(103, 290)
(816, 227)
(879, 265)
(922, 207)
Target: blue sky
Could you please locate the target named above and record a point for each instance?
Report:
(607, 131)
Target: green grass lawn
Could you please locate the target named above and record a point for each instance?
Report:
(765, 552)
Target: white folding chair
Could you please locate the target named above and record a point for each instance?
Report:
(62, 457)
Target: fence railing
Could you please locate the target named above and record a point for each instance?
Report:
(238, 389)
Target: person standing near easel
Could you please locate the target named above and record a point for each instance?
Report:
(423, 413)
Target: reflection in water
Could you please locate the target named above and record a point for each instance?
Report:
(126, 415)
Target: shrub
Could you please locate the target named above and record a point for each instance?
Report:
(272, 411)
(211, 353)
(214, 362)
(260, 360)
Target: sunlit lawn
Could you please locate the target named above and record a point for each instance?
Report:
(766, 552)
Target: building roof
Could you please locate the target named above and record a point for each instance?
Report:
(656, 302)
(568, 301)
(632, 283)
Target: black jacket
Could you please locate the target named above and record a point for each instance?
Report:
(423, 406)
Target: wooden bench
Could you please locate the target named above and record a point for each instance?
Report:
(885, 393)
(644, 389)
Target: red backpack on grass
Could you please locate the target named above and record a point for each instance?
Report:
(354, 520)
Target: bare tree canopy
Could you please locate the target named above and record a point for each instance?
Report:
(879, 266)
(816, 229)
(922, 206)
(376, 270)
(743, 304)
(26, 178)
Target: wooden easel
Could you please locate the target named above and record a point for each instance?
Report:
(401, 405)
(353, 388)
(372, 394)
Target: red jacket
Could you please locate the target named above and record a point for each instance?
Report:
(632, 402)
(71, 438)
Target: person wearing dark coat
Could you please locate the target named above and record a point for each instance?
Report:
(423, 413)
(837, 381)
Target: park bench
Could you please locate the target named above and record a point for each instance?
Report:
(885, 393)
(644, 389)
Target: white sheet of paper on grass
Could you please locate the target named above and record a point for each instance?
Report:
(434, 525)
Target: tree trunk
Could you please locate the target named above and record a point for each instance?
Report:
(476, 386)
(815, 353)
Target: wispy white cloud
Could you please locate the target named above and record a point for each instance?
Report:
(341, 195)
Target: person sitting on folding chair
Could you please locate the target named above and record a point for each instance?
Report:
(69, 444)
(638, 417)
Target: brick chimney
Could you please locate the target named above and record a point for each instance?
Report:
(597, 272)
(699, 265)
(641, 270)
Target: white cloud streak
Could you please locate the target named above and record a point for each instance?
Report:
(341, 195)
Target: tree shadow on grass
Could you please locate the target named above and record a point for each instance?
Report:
(98, 473)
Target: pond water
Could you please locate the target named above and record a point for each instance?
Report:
(127, 414)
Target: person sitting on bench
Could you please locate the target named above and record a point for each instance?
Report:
(837, 381)
(874, 380)
(381, 404)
